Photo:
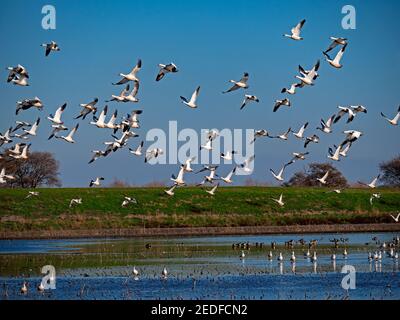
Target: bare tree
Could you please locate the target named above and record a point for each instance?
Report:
(309, 177)
(391, 172)
(40, 169)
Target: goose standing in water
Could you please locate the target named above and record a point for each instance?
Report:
(70, 137)
(40, 287)
(52, 46)
(248, 98)
(322, 180)
(56, 119)
(295, 31)
(333, 257)
(24, 288)
(242, 83)
(170, 191)
(192, 102)
(164, 273)
(345, 253)
(242, 255)
(395, 120)
(135, 273)
(314, 257)
(336, 61)
(280, 257)
(293, 257)
(307, 254)
(270, 256)
(279, 201)
(131, 76)
(96, 182)
(166, 68)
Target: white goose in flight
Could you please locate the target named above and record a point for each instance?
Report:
(131, 121)
(111, 123)
(131, 97)
(326, 127)
(52, 46)
(75, 202)
(97, 154)
(20, 80)
(309, 77)
(179, 179)
(16, 149)
(127, 201)
(336, 61)
(33, 130)
(121, 97)
(246, 165)
(32, 194)
(131, 76)
(335, 42)
(228, 156)
(56, 119)
(351, 136)
(100, 121)
(248, 98)
(279, 176)
(314, 138)
(6, 137)
(138, 150)
(300, 133)
(23, 155)
(164, 69)
(343, 111)
(70, 137)
(96, 182)
(188, 162)
(207, 146)
(4, 177)
(335, 156)
(212, 191)
(279, 200)
(299, 156)
(345, 149)
(323, 179)
(88, 108)
(373, 183)
(15, 71)
(29, 103)
(395, 120)
(228, 178)
(192, 102)
(397, 218)
(280, 103)
(295, 31)
(242, 83)
(260, 133)
(56, 128)
(153, 153)
(170, 191)
(292, 89)
(284, 136)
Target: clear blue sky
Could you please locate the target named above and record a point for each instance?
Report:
(211, 42)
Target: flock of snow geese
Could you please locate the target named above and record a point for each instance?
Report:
(19, 75)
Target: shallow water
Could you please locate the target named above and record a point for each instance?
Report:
(198, 268)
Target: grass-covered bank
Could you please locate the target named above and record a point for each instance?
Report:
(192, 207)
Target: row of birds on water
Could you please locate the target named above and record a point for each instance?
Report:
(19, 76)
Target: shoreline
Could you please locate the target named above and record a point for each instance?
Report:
(197, 231)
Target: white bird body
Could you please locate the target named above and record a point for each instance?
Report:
(52, 46)
(323, 179)
(170, 191)
(153, 153)
(23, 155)
(280, 257)
(96, 182)
(248, 98)
(164, 69)
(179, 179)
(278, 176)
(309, 77)
(207, 146)
(279, 201)
(20, 80)
(188, 162)
(241, 84)
(164, 273)
(56, 119)
(395, 120)
(138, 150)
(397, 218)
(192, 102)
(336, 61)
(326, 127)
(293, 257)
(335, 155)
(131, 76)
(246, 165)
(228, 156)
(32, 194)
(33, 130)
(212, 191)
(300, 133)
(74, 202)
(295, 31)
(228, 178)
(70, 137)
